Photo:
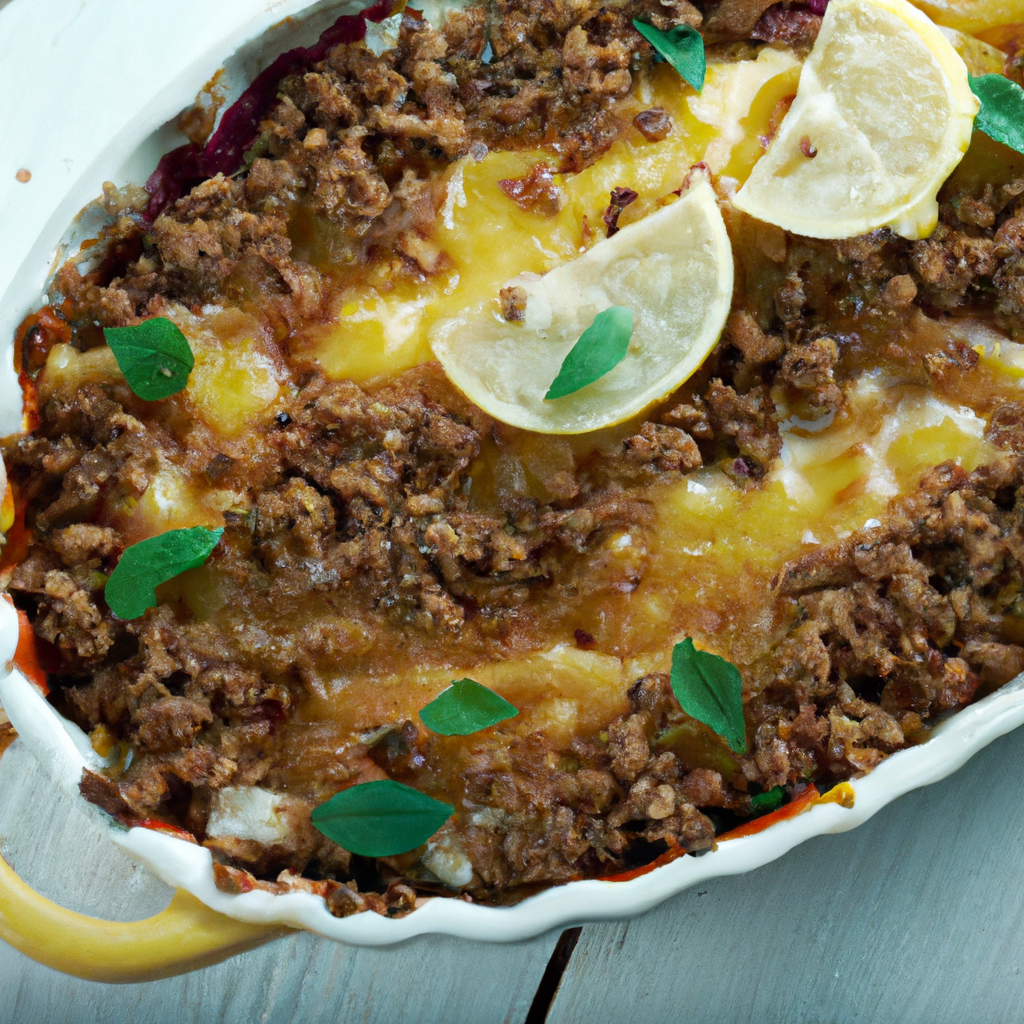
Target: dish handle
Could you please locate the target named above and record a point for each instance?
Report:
(183, 937)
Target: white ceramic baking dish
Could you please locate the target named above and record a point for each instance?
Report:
(99, 110)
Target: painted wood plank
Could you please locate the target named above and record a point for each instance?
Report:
(917, 916)
(296, 980)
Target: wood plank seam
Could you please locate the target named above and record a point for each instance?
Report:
(552, 977)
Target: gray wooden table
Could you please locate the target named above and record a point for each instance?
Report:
(918, 916)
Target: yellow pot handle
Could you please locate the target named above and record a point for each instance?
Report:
(185, 936)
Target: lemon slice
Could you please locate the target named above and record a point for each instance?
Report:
(673, 269)
(883, 113)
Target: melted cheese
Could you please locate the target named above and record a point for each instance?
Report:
(712, 534)
(738, 103)
(234, 382)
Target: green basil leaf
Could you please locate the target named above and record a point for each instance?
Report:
(380, 819)
(466, 707)
(762, 803)
(681, 46)
(154, 356)
(1002, 110)
(144, 566)
(601, 347)
(710, 689)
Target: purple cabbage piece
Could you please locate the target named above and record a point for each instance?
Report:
(184, 167)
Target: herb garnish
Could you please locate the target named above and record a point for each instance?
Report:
(710, 689)
(762, 803)
(144, 566)
(601, 347)
(380, 819)
(154, 356)
(681, 46)
(1002, 109)
(464, 708)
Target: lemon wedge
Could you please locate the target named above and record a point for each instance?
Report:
(673, 269)
(883, 113)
